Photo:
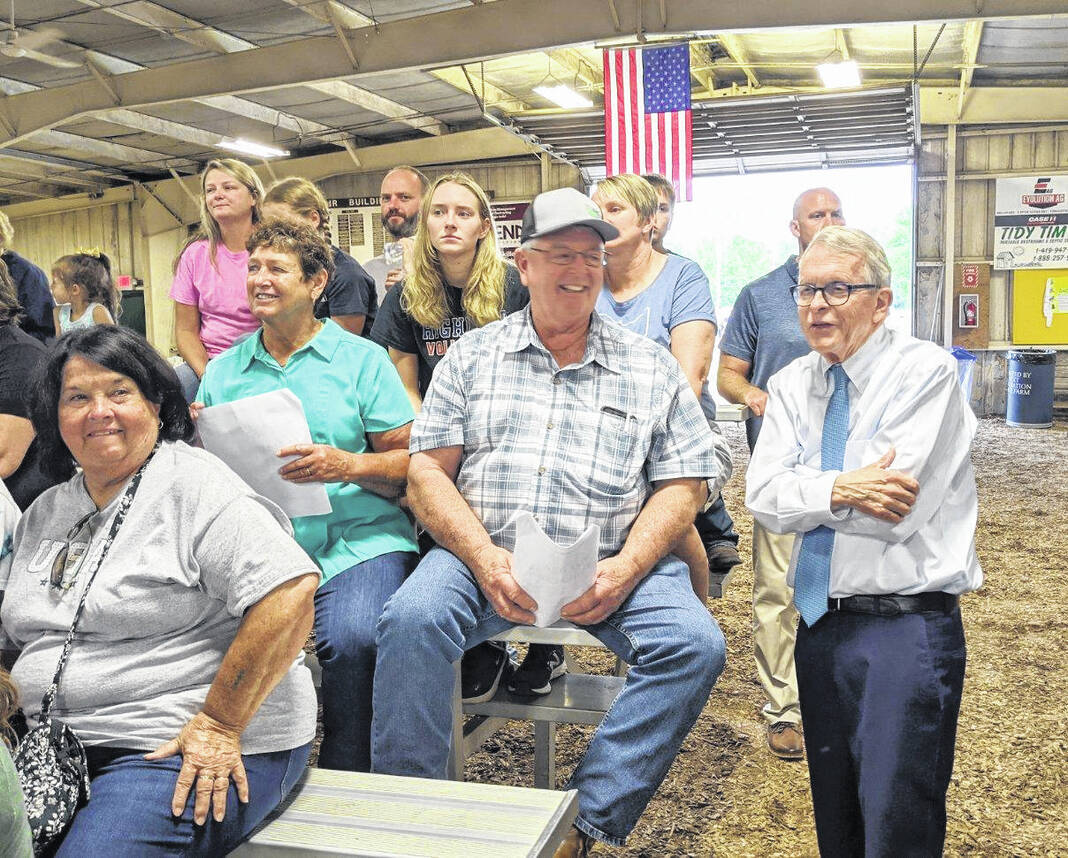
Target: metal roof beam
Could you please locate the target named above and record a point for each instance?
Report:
(988, 105)
(85, 176)
(161, 127)
(486, 92)
(107, 149)
(337, 14)
(492, 29)
(199, 34)
(269, 116)
(330, 11)
(576, 66)
(113, 65)
(25, 171)
(701, 66)
(345, 91)
(973, 35)
(169, 23)
(732, 44)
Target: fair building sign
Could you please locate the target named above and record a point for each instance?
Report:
(1031, 222)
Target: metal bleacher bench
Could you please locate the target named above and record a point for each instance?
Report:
(576, 698)
(348, 813)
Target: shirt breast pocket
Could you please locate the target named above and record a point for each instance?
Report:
(616, 461)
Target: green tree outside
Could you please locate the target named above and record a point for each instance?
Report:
(730, 260)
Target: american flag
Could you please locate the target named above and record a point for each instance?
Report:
(648, 127)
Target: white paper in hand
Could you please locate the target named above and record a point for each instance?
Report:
(248, 433)
(551, 574)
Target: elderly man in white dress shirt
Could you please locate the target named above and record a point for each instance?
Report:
(865, 452)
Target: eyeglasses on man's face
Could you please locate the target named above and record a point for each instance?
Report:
(558, 256)
(835, 293)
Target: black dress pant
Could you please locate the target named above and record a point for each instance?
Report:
(880, 698)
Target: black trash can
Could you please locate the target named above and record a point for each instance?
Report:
(1030, 400)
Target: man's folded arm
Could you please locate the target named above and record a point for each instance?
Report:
(927, 428)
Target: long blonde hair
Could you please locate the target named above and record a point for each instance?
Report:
(247, 177)
(423, 295)
(9, 702)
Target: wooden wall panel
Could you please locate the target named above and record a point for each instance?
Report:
(44, 239)
(930, 202)
(981, 155)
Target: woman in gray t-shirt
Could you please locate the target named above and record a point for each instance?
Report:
(186, 674)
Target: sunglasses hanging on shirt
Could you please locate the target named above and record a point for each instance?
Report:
(65, 560)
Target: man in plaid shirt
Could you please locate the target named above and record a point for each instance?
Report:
(561, 414)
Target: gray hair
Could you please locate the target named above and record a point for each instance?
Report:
(847, 241)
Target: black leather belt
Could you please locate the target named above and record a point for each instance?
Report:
(894, 604)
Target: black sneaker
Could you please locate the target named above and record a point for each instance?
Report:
(543, 664)
(481, 670)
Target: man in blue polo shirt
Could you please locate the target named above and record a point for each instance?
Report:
(763, 335)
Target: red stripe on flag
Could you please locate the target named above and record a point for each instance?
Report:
(650, 139)
(609, 94)
(688, 160)
(622, 110)
(633, 114)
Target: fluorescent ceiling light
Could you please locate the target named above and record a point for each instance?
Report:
(247, 147)
(841, 75)
(563, 95)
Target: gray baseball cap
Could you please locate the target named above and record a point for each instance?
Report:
(563, 208)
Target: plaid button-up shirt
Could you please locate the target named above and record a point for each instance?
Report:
(574, 446)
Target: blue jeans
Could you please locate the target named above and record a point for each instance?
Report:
(675, 649)
(189, 381)
(347, 608)
(129, 813)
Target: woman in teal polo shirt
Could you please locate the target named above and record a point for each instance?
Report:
(351, 394)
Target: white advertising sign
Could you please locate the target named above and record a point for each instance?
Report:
(508, 218)
(1031, 222)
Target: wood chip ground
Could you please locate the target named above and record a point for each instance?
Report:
(727, 796)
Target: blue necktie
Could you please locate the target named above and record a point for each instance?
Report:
(812, 578)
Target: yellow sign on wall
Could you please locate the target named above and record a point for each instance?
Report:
(1040, 307)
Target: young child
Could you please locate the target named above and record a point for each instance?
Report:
(84, 293)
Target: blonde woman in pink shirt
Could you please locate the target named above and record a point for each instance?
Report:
(211, 304)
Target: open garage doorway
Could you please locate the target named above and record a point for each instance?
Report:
(737, 227)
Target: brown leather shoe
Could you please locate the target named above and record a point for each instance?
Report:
(575, 845)
(722, 557)
(786, 740)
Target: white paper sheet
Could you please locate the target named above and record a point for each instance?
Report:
(248, 433)
(553, 575)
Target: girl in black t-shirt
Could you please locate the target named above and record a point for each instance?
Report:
(459, 281)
